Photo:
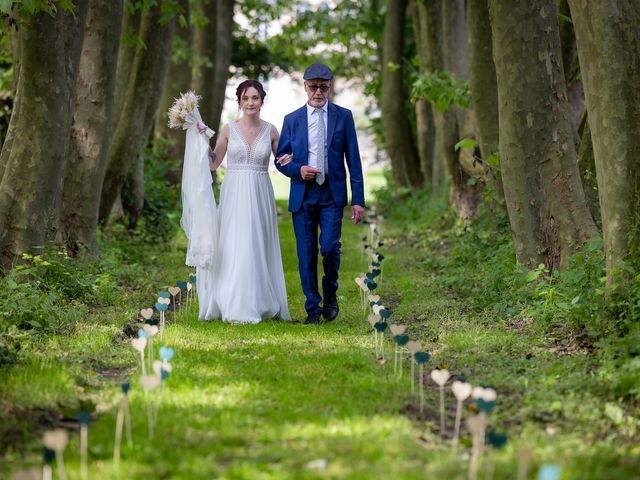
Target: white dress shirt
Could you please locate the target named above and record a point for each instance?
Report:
(312, 121)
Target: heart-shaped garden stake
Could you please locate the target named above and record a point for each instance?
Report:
(142, 333)
(549, 472)
(440, 376)
(385, 313)
(57, 440)
(462, 391)
(181, 284)
(149, 383)
(397, 329)
(146, 313)
(174, 291)
(380, 327)
(376, 309)
(192, 277)
(139, 344)
(83, 419)
(476, 425)
(413, 346)
(164, 295)
(48, 456)
(151, 331)
(166, 353)
(421, 358)
(162, 307)
(401, 340)
(485, 398)
(371, 285)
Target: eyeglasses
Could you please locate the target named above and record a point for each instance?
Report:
(314, 87)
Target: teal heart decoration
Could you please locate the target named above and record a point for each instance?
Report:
(380, 256)
(164, 294)
(422, 357)
(371, 304)
(496, 440)
(125, 388)
(180, 284)
(153, 321)
(48, 455)
(83, 418)
(370, 275)
(375, 264)
(380, 244)
(163, 374)
(142, 333)
(166, 353)
(385, 313)
(376, 272)
(401, 339)
(192, 278)
(549, 472)
(380, 326)
(161, 307)
(485, 406)
(372, 285)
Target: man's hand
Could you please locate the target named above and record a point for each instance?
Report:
(357, 212)
(308, 173)
(284, 159)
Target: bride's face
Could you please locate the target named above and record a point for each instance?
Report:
(250, 101)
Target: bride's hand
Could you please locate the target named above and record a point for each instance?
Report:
(284, 159)
(202, 128)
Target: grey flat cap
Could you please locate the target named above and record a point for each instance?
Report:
(319, 71)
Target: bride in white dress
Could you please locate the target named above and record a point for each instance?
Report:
(246, 282)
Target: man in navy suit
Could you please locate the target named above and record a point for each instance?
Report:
(314, 143)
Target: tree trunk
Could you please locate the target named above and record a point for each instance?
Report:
(454, 123)
(126, 52)
(425, 123)
(31, 184)
(587, 167)
(484, 90)
(224, 38)
(398, 137)
(545, 200)
(148, 72)
(92, 127)
(178, 81)
(608, 42)
(204, 48)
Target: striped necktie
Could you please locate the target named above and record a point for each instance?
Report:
(320, 154)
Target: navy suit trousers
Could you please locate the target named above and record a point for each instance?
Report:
(318, 211)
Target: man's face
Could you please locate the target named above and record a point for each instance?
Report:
(317, 92)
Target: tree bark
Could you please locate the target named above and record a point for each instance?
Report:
(31, 184)
(545, 200)
(587, 167)
(454, 123)
(147, 76)
(398, 135)
(484, 90)
(608, 42)
(126, 52)
(178, 80)
(92, 128)
(425, 123)
(224, 38)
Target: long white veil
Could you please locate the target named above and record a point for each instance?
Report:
(199, 211)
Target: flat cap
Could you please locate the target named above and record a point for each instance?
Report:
(318, 70)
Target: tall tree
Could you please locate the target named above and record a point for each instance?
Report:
(92, 127)
(484, 90)
(129, 42)
(608, 42)
(545, 200)
(150, 66)
(398, 134)
(50, 46)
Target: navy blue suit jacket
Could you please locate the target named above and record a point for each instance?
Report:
(342, 145)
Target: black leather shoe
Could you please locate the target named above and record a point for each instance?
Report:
(330, 311)
(312, 320)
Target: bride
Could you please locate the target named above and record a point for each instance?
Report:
(246, 281)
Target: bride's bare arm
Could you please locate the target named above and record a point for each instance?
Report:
(275, 138)
(217, 154)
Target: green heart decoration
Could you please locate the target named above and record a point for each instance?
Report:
(401, 339)
(381, 326)
(484, 405)
(422, 357)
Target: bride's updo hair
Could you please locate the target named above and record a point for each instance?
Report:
(244, 86)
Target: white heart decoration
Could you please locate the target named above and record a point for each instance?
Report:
(413, 346)
(173, 290)
(461, 390)
(397, 329)
(146, 313)
(149, 382)
(374, 298)
(359, 281)
(139, 343)
(164, 300)
(56, 439)
(476, 424)
(373, 319)
(151, 329)
(157, 366)
(376, 309)
(486, 394)
(440, 376)
(166, 366)
(189, 286)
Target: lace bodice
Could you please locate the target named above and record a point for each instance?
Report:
(242, 156)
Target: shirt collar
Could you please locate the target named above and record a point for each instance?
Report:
(311, 109)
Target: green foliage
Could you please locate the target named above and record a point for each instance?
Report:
(441, 89)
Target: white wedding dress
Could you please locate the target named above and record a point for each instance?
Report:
(245, 283)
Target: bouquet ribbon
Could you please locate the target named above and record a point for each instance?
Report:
(199, 212)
